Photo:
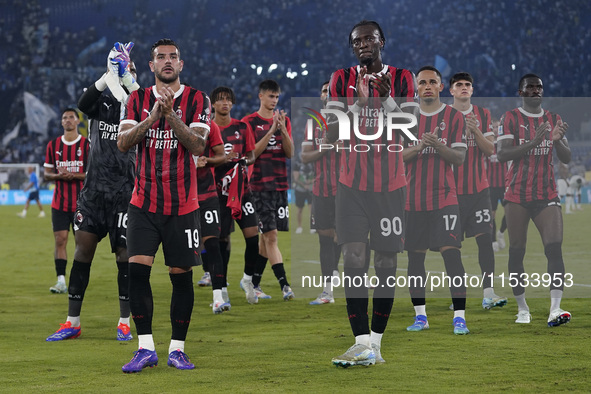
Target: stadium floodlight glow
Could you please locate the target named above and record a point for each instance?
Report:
(304, 65)
(513, 67)
(253, 66)
(234, 70)
(272, 67)
(259, 70)
(305, 72)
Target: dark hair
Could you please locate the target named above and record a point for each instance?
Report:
(217, 93)
(161, 42)
(70, 110)
(325, 83)
(269, 84)
(461, 76)
(366, 23)
(526, 76)
(430, 68)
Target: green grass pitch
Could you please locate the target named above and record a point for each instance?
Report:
(279, 346)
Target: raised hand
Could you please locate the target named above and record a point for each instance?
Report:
(541, 131)
(431, 139)
(559, 130)
(383, 83)
(471, 124)
(166, 100)
(362, 86)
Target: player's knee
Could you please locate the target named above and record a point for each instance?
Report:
(354, 255)
(385, 259)
(270, 237)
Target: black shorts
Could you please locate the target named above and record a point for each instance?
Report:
(496, 194)
(323, 213)
(379, 215)
(534, 208)
(62, 221)
(102, 213)
(272, 210)
(475, 213)
(209, 211)
(302, 197)
(433, 229)
(180, 236)
(248, 219)
(34, 195)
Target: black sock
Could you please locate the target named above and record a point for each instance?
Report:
(225, 251)
(79, 277)
(337, 256)
(486, 259)
(516, 268)
(326, 255)
(216, 264)
(356, 293)
(140, 297)
(60, 267)
(205, 261)
(416, 276)
(279, 272)
(455, 269)
(383, 299)
(494, 233)
(123, 284)
(503, 225)
(251, 253)
(555, 265)
(259, 268)
(181, 304)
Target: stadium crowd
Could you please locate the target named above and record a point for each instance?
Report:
(53, 49)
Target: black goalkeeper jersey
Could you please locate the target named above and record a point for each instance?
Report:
(109, 169)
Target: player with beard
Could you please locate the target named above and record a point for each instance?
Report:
(273, 146)
(169, 123)
(371, 189)
(433, 214)
(528, 136)
(472, 182)
(103, 201)
(235, 197)
(323, 202)
(65, 164)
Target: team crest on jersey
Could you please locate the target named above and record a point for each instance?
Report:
(442, 125)
(237, 134)
(79, 152)
(179, 112)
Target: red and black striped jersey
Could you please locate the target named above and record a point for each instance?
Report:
(206, 184)
(166, 177)
(269, 171)
(531, 177)
(431, 182)
(496, 170)
(325, 168)
(73, 157)
(471, 177)
(373, 164)
(237, 137)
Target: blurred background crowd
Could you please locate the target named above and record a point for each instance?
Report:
(53, 49)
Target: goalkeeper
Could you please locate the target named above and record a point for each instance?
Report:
(104, 198)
